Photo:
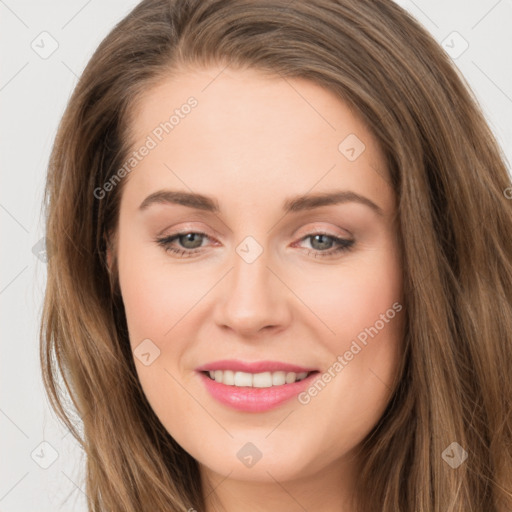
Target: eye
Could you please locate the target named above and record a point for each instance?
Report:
(191, 241)
(322, 244)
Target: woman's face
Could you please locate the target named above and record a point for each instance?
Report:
(291, 263)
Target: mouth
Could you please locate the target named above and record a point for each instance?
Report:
(254, 387)
(256, 380)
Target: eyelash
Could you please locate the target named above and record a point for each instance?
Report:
(342, 244)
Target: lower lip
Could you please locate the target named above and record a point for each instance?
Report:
(255, 399)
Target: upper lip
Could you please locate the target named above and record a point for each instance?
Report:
(253, 367)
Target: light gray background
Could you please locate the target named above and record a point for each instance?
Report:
(34, 90)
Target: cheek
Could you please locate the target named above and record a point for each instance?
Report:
(155, 296)
(156, 302)
(344, 301)
(361, 312)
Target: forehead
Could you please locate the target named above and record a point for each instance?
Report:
(244, 102)
(221, 130)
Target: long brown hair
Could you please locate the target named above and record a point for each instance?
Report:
(455, 225)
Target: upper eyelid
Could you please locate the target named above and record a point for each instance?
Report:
(314, 229)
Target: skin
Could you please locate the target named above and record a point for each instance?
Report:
(252, 142)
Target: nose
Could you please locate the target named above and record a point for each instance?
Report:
(253, 298)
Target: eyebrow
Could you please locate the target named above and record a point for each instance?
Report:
(293, 204)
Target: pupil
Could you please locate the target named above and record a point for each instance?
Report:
(325, 245)
(189, 237)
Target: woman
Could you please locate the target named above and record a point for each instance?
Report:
(282, 265)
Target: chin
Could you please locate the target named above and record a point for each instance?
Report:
(281, 463)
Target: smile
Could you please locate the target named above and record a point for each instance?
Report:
(255, 392)
(256, 380)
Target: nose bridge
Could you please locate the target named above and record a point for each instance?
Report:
(254, 297)
(250, 273)
(251, 277)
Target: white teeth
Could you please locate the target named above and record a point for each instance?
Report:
(256, 380)
(241, 379)
(228, 377)
(290, 377)
(278, 378)
(262, 380)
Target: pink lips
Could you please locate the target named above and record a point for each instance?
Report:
(256, 367)
(251, 399)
